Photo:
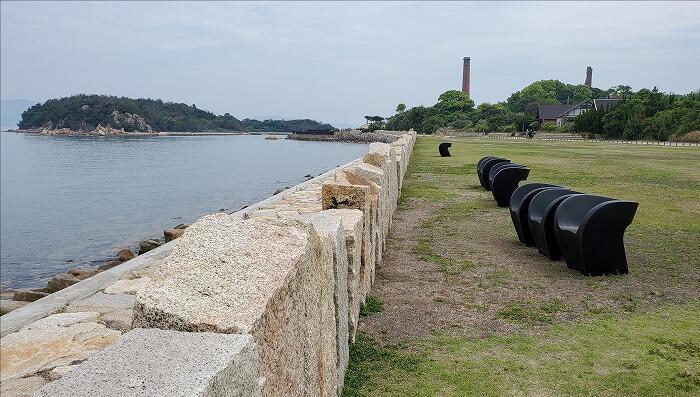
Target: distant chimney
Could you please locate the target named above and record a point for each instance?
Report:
(589, 76)
(465, 76)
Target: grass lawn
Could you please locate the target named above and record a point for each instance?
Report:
(461, 308)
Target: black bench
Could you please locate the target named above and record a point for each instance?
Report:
(444, 149)
(504, 179)
(540, 216)
(483, 170)
(519, 204)
(590, 230)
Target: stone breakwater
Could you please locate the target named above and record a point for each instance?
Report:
(262, 302)
(350, 136)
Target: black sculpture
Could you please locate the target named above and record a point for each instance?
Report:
(590, 230)
(444, 149)
(519, 203)
(485, 168)
(505, 180)
(540, 216)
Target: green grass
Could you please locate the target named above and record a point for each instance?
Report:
(651, 354)
(372, 305)
(640, 338)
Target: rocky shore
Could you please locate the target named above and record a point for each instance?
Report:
(109, 131)
(13, 299)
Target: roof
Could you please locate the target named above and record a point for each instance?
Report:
(605, 103)
(551, 112)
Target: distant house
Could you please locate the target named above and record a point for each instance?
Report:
(560, 114)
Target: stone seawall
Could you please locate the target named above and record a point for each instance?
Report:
(351, 136)
(263, 302)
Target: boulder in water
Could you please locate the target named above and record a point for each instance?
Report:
(61, 281)
(148, 245)
(172, 234)
(125, 254)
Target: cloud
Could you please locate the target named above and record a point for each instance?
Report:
(338, 61)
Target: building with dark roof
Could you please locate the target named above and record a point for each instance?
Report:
(560, 114)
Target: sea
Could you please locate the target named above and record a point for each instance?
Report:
(74, 201)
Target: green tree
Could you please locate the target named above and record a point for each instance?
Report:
(401, 108)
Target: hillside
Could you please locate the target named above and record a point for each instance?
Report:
(114, 115)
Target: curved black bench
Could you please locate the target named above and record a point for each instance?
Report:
(590, 230)
(485, 168)
(444, 149)
(497, 167)
(540, 214)
(519, 204)
(505, 180)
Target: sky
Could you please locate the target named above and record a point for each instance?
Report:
(336, 62)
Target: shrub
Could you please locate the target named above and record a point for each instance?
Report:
(548, 127)
(693, 136)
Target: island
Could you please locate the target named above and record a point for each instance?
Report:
(111, 115)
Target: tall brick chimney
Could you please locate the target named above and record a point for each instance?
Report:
(465, 76)
(589, 76)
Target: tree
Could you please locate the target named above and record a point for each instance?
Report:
(401, 108)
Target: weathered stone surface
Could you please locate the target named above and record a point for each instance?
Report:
(382, 155)
(352, 221)
(102, 303)
(153, 362)
(108, 265)
(57, 340)
(353, 192)
(129, 287)
(328, 225)
(148, 245)
(125, 255)
(120, 320)
(233, 275)
(182, 226)
(58, 372)
(7, 306)
(380, 180)
(61, 281)
(83, 273)
(29, 295)
(21, 387)
(172, 234)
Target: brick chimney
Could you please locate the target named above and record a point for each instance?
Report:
(589, 76)
(465, 76)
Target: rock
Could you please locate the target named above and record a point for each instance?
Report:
(125, 255)
(84, 272)
(182, 226)
(7, 306)
(29, 295)
(280, 190)
(8, 294)
(159, 363)
(172, 234)
(340, 194)
(119, 319)
(61, 281)
(230, 275)
(129, 287)
(108, 265)
(54, 341)
(328, 225)
(148, 245)
(101, 303)
(21, 387)
(58, 372)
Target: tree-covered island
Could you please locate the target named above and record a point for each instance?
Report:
(106, 115)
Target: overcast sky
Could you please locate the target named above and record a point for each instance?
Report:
(336, 62)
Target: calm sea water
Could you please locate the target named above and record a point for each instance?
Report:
(74, 201)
